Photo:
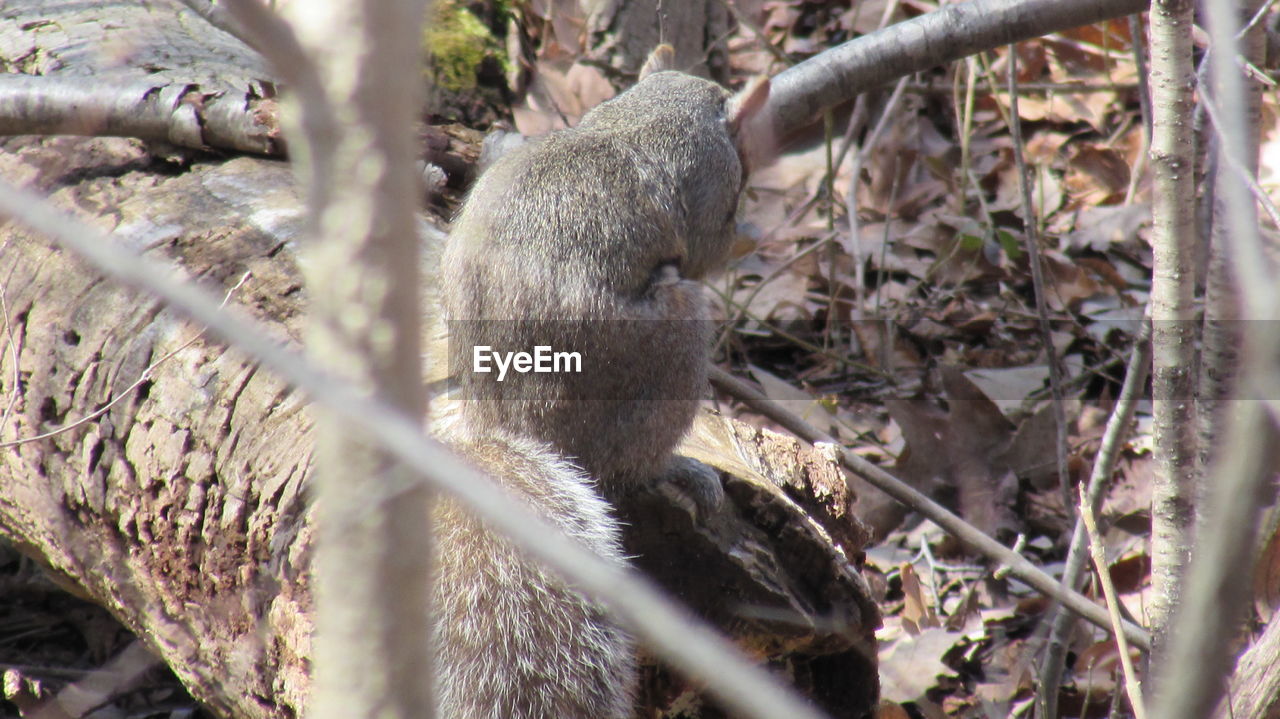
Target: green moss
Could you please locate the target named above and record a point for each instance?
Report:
(458, 42)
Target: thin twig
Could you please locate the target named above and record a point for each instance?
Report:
(966, 127)
(855, 239)
(1132, 687)
(1019, 567)
(1032, 227)
(832, 332)
(856, 120)
(851, 199)
(1144, 105)
(794, 217)
(744, 306)
(823, 352)
(881, 269)
(1257, 18)
(221, 19)
(1245, 176)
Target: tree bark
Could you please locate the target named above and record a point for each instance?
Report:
(181, 508)
(1173, 241)
(621, 34)
(1254, 688)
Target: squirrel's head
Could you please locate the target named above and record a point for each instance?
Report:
(705, 137)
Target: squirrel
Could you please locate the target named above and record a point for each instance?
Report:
(587, 241)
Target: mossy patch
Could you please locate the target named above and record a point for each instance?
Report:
(458, 42)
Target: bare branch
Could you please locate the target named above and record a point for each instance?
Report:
(800, 94)
(1099, 555)
(372, 647)
(181, 114)
(1031, 230)
(1173, 242)
(1135, 382)
(219, 18)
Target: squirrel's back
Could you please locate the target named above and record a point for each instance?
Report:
(575, 242)
(685, 124)
(584, 214)
(588, 240)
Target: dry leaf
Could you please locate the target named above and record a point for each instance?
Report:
(910, 665)
(1096, 175)
(917, 610)
(956, 450)
(1009, 387)
(798, 401)
(1098, 228)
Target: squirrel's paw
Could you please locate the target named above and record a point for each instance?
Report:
(695, 482)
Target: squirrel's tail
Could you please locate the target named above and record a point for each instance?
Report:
(514, 640)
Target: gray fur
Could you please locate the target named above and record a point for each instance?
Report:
(586, 240)
(603, 224)
(683, 121)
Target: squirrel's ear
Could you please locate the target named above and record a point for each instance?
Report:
(747, 102)
(750, 123)
(662, 58)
